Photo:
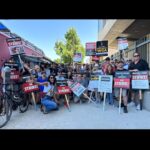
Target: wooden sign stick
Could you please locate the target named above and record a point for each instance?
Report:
(104, 101)
(67, 101)
(33, 98)
(120, 100)
(140, 96)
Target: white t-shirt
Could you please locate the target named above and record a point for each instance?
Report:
(47, 89)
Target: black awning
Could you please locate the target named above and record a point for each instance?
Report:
(32, 58)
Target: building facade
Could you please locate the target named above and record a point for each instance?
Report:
(31, 52)
(137, 32)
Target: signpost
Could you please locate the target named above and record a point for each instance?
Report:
(140, 81)
(105, 85)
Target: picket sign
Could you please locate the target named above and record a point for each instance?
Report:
(30, 88)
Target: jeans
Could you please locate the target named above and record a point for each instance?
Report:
(48, 103)
(109, 97)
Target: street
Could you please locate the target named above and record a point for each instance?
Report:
(82, 116)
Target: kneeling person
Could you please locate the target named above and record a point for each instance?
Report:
(48, 102)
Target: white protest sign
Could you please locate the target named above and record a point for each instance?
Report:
(77, 88)
(105, 83)
(93, 83)
(140, 80)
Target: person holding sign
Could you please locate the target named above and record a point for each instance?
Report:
(48, 101)
(109, 96)
(124, 91)
(138, 64)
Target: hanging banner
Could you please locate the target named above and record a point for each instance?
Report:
(122, 43)
(90, 48)
(105, 83)
(15, 45)
(101, 48)
(122, 79)
(77, 57)
(140, 80)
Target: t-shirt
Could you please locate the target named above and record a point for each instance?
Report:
(142, 65)
(41, 87)
(47, 89)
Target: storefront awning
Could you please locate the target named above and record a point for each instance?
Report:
(32, 58)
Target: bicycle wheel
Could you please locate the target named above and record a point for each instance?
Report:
(24, 104)
(5, 111)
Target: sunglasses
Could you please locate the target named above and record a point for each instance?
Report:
(51, 77)
(136, 56)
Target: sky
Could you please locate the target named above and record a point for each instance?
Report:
(44, 33)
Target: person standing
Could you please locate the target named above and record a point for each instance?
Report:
(138, 64)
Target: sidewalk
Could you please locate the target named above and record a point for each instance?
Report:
(82, 116)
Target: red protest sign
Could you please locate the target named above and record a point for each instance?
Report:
(30, 87)
(122, 83)
(63, 90)
(14, 75)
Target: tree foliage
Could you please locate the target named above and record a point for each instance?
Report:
(66, 49)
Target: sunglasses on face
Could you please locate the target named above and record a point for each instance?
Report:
(136, 55)
(51, 78)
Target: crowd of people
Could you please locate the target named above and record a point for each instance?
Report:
(46, 76)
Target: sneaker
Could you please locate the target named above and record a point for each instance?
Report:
(125, 109)
(44, 110)
(131, 104)
(138, 107)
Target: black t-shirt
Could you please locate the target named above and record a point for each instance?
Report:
(142, 65)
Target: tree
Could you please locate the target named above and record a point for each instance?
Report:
(57, 60)
(71, 45)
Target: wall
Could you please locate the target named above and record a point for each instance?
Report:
(4, 51)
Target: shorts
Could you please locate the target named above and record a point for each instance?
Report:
(117, 92)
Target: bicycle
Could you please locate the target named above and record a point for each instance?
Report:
(8, 98)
